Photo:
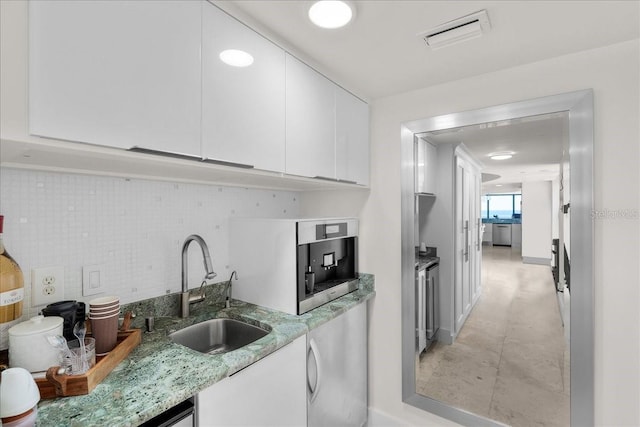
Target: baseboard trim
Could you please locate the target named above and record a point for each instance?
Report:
(534, 260)
(378, 418)
(445, 336)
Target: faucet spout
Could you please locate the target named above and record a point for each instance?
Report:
(228, 298)
(209, 273)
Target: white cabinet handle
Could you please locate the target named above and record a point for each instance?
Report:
(313, 376)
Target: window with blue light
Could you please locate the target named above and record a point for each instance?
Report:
(501, 206)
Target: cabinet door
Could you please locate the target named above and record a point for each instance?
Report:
(337, 371)
(116, 73)
(425, 167)
(310, 121)
(271, 392)
(431, 174)
(243, 108)
(352, 138)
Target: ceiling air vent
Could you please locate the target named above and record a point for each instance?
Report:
(461, 29)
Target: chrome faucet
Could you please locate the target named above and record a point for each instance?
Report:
(227, 301)
(185, 298)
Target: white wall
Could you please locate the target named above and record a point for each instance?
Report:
(555, 207)
(613, 73)
(439, 232)
(536, 221)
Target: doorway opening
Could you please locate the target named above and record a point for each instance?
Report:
(503, 354)
(579, 107)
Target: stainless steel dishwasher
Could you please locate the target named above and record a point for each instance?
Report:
(501, 234)
(337, 371)
(427, 306)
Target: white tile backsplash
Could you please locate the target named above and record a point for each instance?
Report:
(135, 228)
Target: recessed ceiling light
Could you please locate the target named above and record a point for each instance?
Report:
(236, 58)
(330, 13)
(498, 185)
(503, 155)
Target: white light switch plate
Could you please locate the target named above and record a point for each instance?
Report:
(92, 279)
(47, 285)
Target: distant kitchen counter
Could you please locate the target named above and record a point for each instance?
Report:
(502, 220)
(426, 261)
(159, 374)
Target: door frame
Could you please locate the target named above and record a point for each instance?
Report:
(579, 105)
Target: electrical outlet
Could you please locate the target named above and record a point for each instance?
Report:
(47, 285)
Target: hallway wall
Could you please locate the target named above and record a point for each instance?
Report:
(536, 222)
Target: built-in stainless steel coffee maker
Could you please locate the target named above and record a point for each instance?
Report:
(294, 265)
(327, 261)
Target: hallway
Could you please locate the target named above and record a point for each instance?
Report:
(510, 362)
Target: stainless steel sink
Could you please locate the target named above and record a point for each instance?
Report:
(217, 336)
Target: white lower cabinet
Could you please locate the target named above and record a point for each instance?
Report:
(320, 379)
(271, 392)
(516, 235)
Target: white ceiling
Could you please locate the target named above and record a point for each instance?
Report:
(536, 141)
(379, 53)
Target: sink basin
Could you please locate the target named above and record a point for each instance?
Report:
(217, 336)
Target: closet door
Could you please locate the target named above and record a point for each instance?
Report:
(476, 248)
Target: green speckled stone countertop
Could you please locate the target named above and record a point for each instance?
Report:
(159, 374)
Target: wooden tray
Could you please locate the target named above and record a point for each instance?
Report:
(55, 385)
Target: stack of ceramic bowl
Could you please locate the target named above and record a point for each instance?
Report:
(19, 397)
(104, 313)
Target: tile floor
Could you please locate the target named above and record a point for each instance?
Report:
(510, 362)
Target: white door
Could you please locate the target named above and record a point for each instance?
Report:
(466, 228)
(475, 251)
(463, 231)
(459, 247)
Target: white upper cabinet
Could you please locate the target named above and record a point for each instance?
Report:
(243, 108)
(148, 75)
(116, 73)
(310, 123)
(352, 138)
(426, 174)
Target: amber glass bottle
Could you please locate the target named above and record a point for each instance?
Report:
(11, 292)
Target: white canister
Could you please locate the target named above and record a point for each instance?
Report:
(28, 344)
